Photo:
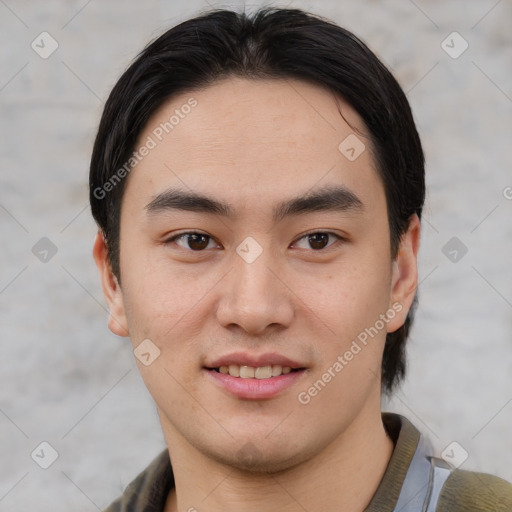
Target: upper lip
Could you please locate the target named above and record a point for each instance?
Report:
(244, 359)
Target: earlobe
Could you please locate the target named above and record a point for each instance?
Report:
(404, 280)
(117, 321)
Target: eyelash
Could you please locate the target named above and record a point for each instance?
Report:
(183, 235)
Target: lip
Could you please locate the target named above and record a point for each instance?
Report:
(254, 389)
(245, 359)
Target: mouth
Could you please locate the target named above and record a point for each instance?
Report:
(252, 372)
(251, 377)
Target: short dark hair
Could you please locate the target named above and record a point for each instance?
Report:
(271, 43)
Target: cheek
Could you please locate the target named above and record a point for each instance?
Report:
(348, 297)
(157, 291)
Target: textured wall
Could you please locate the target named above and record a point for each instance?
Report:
(68, 381)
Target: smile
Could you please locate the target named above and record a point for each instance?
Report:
(251, 372)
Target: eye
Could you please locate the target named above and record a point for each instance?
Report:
(197, 241)
(318, 240)
(192, 240)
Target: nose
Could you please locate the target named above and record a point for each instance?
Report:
(256, 297)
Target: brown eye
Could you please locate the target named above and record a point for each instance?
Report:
(319, 240)
(192, 241)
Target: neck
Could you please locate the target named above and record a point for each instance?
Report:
(344, 476)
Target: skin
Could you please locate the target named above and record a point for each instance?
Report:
(254, 143)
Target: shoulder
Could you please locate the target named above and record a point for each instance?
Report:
(467, 491)
(149, 490)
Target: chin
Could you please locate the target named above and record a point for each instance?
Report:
(251, 460)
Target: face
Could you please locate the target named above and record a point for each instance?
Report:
(284, 270)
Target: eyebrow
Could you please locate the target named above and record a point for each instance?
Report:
(326, 199)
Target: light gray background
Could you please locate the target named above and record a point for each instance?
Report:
(68, 381)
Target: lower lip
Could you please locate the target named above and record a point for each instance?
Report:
(255, 389)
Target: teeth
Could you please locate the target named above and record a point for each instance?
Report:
(247, 372)
(250, 372)
(234, 370)
(263, 372)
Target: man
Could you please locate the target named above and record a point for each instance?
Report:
(258, 184)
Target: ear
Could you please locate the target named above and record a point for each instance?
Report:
(117, 321)
(404, 281)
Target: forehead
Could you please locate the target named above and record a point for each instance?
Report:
(258, 139)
